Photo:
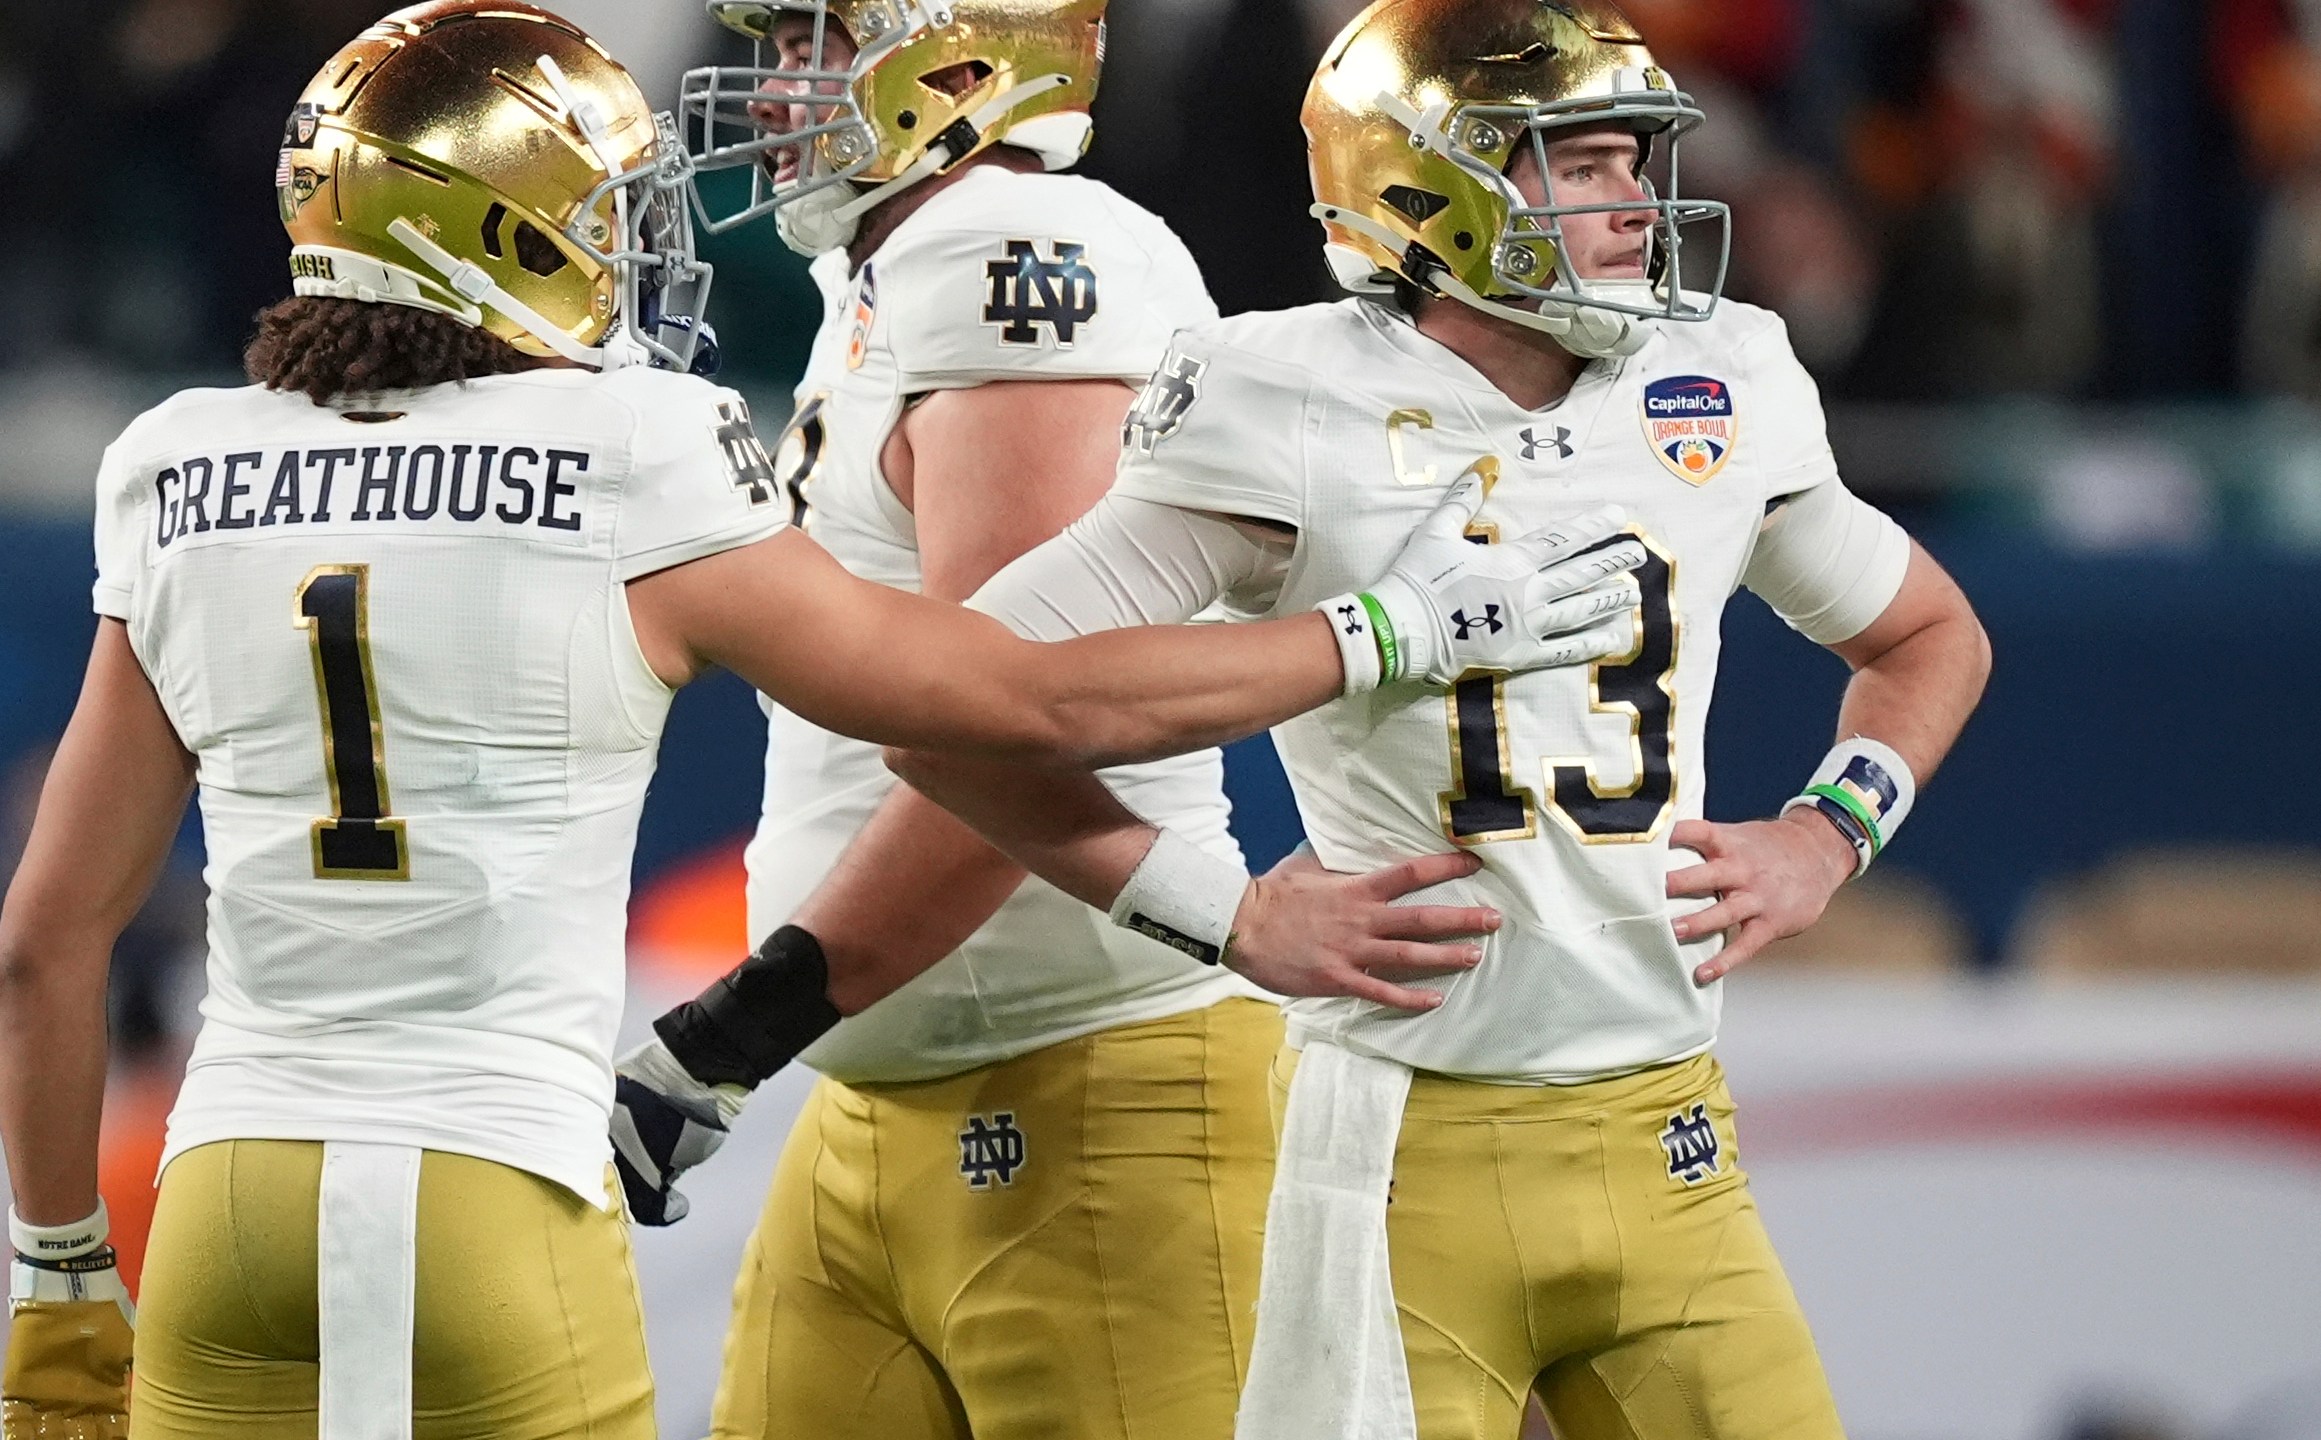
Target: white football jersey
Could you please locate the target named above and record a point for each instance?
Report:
(396, 640)
(1347, 423)
(1002, 276)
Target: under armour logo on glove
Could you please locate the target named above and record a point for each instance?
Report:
(1353, 614)
(1489, 618)
(1561, 440)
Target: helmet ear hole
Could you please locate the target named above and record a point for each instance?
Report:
(537, 253)
(1420, 205)
(953, 81)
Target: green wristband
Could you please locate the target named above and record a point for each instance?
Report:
(1852, 804)
(1389, 654)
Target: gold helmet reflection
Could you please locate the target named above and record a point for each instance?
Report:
(488, 160)
(1412, 120)
(931, 83)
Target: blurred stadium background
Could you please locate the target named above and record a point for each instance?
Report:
(2036, 1112)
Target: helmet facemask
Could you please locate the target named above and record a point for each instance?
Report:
(664, 288)
(807, 115)
(827, 137)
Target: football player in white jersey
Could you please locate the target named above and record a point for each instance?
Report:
(1533, 1187)
(410, 611)
(1026, 1197)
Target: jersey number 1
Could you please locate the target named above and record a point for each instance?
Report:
(357, 840)
(1489, 806)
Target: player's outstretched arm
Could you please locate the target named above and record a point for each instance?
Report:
(904, 670)
(111, 805)
(1919, 670)
(901, 669)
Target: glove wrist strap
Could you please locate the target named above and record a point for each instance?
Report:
(758, 1016)
(59, 1242)
(1365, 640)
(1182, 896)
(1864, 789)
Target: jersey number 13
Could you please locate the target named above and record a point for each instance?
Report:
(1488, 805)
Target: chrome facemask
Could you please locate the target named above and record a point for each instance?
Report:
(742, 116)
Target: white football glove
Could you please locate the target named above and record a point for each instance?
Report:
(1557, 596)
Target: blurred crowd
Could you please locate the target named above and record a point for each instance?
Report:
(1947, 199)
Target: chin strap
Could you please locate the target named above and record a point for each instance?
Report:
(827, 229)
(1577, 326)
(475, 285)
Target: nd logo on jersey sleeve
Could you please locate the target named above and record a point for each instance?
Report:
(1690, 424)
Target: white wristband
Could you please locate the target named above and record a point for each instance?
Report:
(59, 1242)
(1354, 624)
(1182, 896)
(1866, 790)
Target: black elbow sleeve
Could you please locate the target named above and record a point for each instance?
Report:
(757, 1017)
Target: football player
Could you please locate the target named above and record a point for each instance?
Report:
(410, 611)
(1534, 1186)
(1025, 1198)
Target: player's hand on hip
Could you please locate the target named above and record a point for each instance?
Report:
(1771, 879)
(1561, 595)
(1305, 930)
(70, 1333)
(664, 1122)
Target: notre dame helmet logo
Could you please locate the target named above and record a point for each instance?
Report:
(1026, 292)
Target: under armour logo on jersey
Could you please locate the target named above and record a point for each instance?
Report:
(746, 461)
(1161, 408)
(1352, 615)
(990, 1149)
(1028, 292)
(1488, 620)
(1691, 1143)
(1561, 440)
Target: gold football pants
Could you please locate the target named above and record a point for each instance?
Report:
(1063, 1246)
(1597, 1243)
(527, 1320)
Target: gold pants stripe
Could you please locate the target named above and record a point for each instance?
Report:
(1061, 1245)
(528, 1325)
(1598, 1244)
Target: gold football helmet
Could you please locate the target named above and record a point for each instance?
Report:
(1411, 123)
(487, 160)
(931, 83)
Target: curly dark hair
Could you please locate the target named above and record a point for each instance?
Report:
(329, 349)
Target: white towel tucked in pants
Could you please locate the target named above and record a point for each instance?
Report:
(1327, 1363)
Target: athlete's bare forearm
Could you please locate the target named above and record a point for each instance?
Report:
(900, 669)
(1919, 669)
(1063, 826)
(910, 888)
(114, 795)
